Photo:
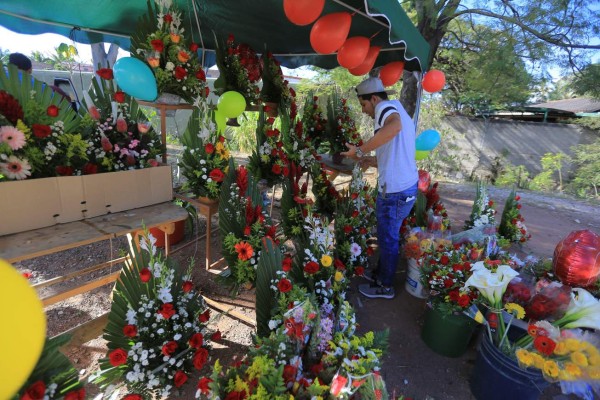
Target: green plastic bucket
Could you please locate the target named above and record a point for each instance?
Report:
(448, 335)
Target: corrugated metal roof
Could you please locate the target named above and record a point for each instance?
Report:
(577, 105)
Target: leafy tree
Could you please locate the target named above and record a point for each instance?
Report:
(548, 31)
(551, 163)
(63, 58)
(587, 82)
(586, 158)
(40, 57)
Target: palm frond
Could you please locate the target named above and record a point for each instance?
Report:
(145, 26)
(268, 265)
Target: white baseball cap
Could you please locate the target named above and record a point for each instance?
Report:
(371, 85)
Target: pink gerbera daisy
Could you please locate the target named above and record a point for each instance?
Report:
(15, 168)
(12, 136)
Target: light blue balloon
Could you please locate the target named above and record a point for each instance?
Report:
(427, 140)
(135, 78)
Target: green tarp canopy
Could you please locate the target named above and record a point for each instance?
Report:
(255, 22)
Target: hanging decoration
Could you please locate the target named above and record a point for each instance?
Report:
(330, 31)
(353, 52)
(434, 81)
(391, 73)
(303, 12)
(366, 65)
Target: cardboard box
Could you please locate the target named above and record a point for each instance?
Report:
(37, 203)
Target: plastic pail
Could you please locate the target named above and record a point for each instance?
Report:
(175, 237)
(413, 280)
(448, 335)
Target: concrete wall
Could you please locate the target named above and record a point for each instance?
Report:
(477, 142)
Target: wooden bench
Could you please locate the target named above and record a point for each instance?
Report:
(40, 242)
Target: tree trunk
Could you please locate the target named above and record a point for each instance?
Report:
(101, 59)
(408, 95)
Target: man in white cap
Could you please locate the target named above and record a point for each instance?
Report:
(394, 146)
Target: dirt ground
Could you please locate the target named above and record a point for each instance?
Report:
(409, 369)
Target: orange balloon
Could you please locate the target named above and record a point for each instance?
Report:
(434, 81)
(330, 32)
(303, 12)
(391, 72)
(576, 260)
(353, 52)
(366, 65)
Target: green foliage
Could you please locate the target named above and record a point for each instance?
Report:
(543, 181)
(268, 265)
(586, 83)
(586, 159)
(243, 138)
(511, 175)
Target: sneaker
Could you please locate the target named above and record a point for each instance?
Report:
(376, 292)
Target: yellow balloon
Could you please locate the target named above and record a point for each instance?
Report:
(421, 154)
(23, 330)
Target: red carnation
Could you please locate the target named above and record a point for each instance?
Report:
(76, 395)
(196, 340)
(286, 265)
(289, 373)
(209, 148)
(200, 75)
(105, 73)
(194, 47)
(203, 385)
(180, 378)
(284, 285)
(10, 107)
(169, 348)
(167, 311)
(217, 175)
(200, 358)
(130, 330)
(145, 275)
(180, 73)
(64, 170)
(204, 317)
(276, 169)
(35, 391)
(360, 271)
(90, 169)
(168, 18)
(117, 357)
(41, 131)
(187, 286)
(52, 111)
(215, 337)
(120, 97)
(311, 268)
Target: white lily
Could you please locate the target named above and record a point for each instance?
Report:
(491, 285)
(583, 311)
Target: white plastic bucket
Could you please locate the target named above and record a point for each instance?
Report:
(413, 283)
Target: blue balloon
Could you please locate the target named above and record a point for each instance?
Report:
(427, 140)
(135, 78)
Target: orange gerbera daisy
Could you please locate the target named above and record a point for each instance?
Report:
(244, 250)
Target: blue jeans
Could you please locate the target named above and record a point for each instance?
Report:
(391, 210)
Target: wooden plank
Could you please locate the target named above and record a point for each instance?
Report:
(229, 311)
(81, 289)
(87, 331)
(86, 271)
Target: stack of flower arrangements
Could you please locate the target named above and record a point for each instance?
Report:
(512, 225)
(314, 122)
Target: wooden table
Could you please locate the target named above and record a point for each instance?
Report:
(163, 119)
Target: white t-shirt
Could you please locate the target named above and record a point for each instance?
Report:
(396, 163)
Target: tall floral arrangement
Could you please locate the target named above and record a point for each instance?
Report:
(118, 134)
(341, 128)
(483, 212)
(161, 43)
(295, 203)
(38, 131)
(269, 160)
(427, 205)
(326, 195)
(275, 88)
(314, 121)
(156, 330)
(239, 68)
(205, 157)
(512, 224)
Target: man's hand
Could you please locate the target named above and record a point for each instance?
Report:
(351, 153)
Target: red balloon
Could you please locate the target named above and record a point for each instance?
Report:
(391, 72)
(576, 259)
(434, 81)
(303, 12)
(366, 65)
(424, 181)
(353, 52)
(330, 32)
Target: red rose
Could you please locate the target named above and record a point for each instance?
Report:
(284, 285)
(347, 229)
(120, 97)
(464, 301)
(64, 170)
(187, 286)
(35, 391)
(196, 340)
(518, 206)
(130, 330)
(209, 148)
(145, 275)
(90, 169)
(215, 337)
(203, 385)
(52, 111)
(180, 378)
(286, 265)
(76, 395)
(117, 357)
(339, 265)
(167, 311)
(133, 397)
(311, 268)
(444, 260)
(180, 73)
(158, 45)
(105, 73)
(217, 175)
(168, 18)
(276, 169)
(169, 348)
(200, 75)
(41, 131)
(360, 271)
(289, 373)
(200, 358)
(204, 317)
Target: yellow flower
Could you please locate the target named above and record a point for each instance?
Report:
(326, 260)
(579, 358)
(594, 373)
(515, 309)
(572, 344)
(338, 276)
(551, 369)
(561, 348)
(538, 360)
(594, 359)
(572, 371)
(524, 357)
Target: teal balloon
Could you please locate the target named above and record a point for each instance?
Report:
(232, 104)
(427, 140)
(220, 120)
(135, 78)
(421, 155)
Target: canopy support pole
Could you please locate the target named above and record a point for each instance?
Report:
(356, 10)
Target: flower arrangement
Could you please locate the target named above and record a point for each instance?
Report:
(295, 203)
(326, 195)
(427, 207)
(355, 216)
(314, 122)
(118, 135)
(269, 160)
(512, 224)
(37, 131)
(54, 377)
(275, 87)
(205, 157)
(161, 44)
(156, 330)
(240, 70)
(341, 128)
(483, 212)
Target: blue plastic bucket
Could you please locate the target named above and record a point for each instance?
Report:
(496, 376)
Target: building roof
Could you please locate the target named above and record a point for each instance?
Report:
(577, 105)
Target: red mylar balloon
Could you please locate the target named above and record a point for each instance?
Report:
(577, 259)
(353, 52)
(330, 32)
(366, 65)
(424, 180)
(434, 81)
(303, 12)
(391, 72)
